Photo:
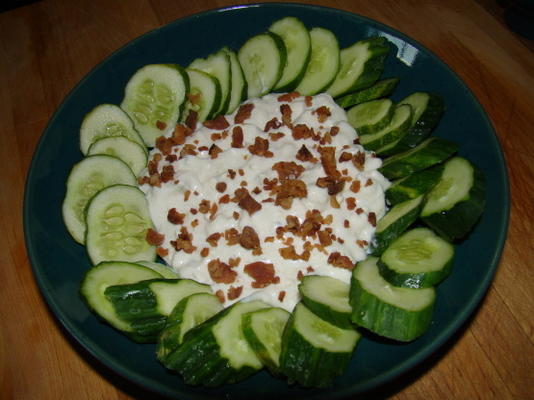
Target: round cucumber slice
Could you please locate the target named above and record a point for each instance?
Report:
(86, 178)
(371, 117)
(132, 153)
(117, 220)
(238, 91)
(204, 95)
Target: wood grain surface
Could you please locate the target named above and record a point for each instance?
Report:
(48, 46)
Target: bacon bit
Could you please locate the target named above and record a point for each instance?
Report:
(262, 273)
(328, 161)
(288, 190)
(219, 123)
(345, 156)
(249, 238)
(362, 243)
(288, 253)
(328, 220)
(243, 183)
(332, 185)
(323, 113)
(327, 139)
(269, 184)
(221, 272)
(188, 150)
(256, 190)
(355, 186)
(237, 137)
(194, 98)
(234, 292)
(308, 100)
(324, 238)
(162, 252)
(154, 180)
(369, 182)
(236, 215)
(143, 180)
(231, 236)
(239, 194)
(193, 211)
(204, 206)
(356, 141)
(213, 210)
(154, 238)
(286, 112)
(248, 204)
(288, 170)
(372, 218)
(243, 113)
(205, 252)
(311, 225)
(234, 262)
(346, 223)
(340, 241)
(310, 269)
(214, 151)
(260, 148)
(203, 148)
(215, 136)
(167, 174)
(269, 239)
(220, 187)
(281, 295)
(272, 124)
(241, 172)
(301, 131)
(187, 193)
(184, 241)
(231, 173)
(171, 158)
(220, 295)
(359, 211)
(334, 130)
(174, 217)
(276, 136)
(334, 203)
(359, 160)
(164, 145)
(213, 239)
(292, 224)
(339, 261)
(304, 155)
(351, 203)
(288, 97)
(300, 275)
(224, 199)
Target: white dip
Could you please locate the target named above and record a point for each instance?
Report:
(192, 183)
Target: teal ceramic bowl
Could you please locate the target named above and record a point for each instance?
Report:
(59, 263)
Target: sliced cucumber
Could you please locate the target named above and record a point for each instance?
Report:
(314, 351)
(455, 204)
(216, 351)
(298, 47)
(154, 97)
(417, 259)
(328, 298)
(188, 313)
(145, 305)
(361, 65)
(204, 96)
(217, 65)
(238, 90)
(396, 129)
(105, 274)
(432, 151)
(371, 117)
(380, 89)
(86, 178)
(165, 271)
(393, 312)
(395, 222)
(262, 58)
(263, 331)
(117, 221)
(414, 185)
(132, 153)
(323, 65)
(106, 120)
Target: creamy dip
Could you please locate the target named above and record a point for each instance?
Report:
(251, 206)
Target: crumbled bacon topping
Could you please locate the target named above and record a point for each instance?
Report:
(333, 185)
(301, 131)
(328, 160)
(219, 123)
(184, 241)
(372, 218)
(243, 113)
(249, 239)
(262, 273)
(188, 150)
(221, 272)
(234, 292)
(214, 151)
(276, 136)
(281, 295)
(359, 160)
(220, 187)
(161, 125)
(288, 170)
(154, 238)
(213, 239)
(167, 173)
(162, 252)
(286, 111)
(260, 147)
(323, 113)
(237, 137)
(220, 295)
(339, 261)
(191, 120)
(204, 206)
(308, 100)
(288, 97)
(304, 154)
(369, 182)
(355, 186)
(174, 217)
(351, 203)
(249, 204)
(288, 190)
(345, 156)
(272, 124)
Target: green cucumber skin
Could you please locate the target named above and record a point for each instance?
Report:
(433, 151)
(307, 365)
(422, 128)
(379, 90)
(415, 281)
(372, 129)
(414, 185)
(385, 319)
(385, 238)
(337, 318)
(391, 136)
(456, 223)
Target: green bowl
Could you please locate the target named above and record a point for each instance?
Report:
(59, 263)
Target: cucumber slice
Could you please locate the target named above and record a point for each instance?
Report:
(323, 65)
(328, 298)
(162, 269)
(314, 351)
(106, 120)
(262, 58)
(414, 185)
(117, 220)
(86, 178)
(432, 151)
(417, 259)
(188, 313)
(216, 351)
(361, 65)
(154, 97)
(397, 313)
(396, 129)
(218, 66)
(395, 222)
(204, 96)
(455, 204)
(263, 331)
(427, 111)
(132, 153)
(105, 274)
(298, 47)
(371, 117)
(380, 89)
(238, 90)
(145, 305)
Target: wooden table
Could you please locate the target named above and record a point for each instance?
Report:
(493, 355)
